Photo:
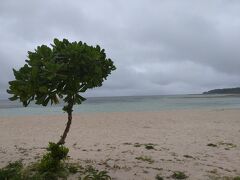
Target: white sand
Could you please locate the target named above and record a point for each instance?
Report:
(106, 140)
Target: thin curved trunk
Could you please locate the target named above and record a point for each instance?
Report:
(63, 137)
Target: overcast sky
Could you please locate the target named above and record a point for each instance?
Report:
(158, 46)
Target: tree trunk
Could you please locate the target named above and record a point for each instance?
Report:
(63, 137)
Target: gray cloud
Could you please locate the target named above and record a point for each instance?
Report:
(159, 47)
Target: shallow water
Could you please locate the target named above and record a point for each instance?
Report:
(127, 103)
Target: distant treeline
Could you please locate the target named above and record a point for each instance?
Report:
(224, 91)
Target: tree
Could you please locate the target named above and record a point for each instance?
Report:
(62, 71)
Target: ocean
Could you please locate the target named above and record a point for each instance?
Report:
(127, 104)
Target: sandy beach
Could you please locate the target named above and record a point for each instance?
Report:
(204, 144)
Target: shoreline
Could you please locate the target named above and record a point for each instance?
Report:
(77, 113)
(116, 141)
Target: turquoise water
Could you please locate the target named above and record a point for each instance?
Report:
(126, 104)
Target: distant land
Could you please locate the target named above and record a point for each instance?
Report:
(224, 91)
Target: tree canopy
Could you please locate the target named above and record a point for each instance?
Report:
(63, 70)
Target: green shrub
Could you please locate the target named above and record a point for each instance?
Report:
(179, 175)
(90, 173)
(137, 145)
(146, 159)
(97, 175)
(72, 168)
(51, 167)
(212, 145)
(149, 146)
(12, 171)
(158, 177)
(52, 161)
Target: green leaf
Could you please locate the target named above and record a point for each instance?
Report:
(56, 42)
(80, 97)
(34, 72)
(13, 98)
(43, 89)
(9, 91)
(46, 101)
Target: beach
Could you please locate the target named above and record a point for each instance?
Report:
(204, 143)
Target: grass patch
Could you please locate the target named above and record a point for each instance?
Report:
(229, 145)
(90, 173)
(224, 178)
(158, 177)
(212, 145)
(137, 145)
(73, 168)
(188, 156)
(179, 175)
(52, 166)
(12, 171)
(127, 143)
(146, 159)
(147, 146)
(16, 171)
